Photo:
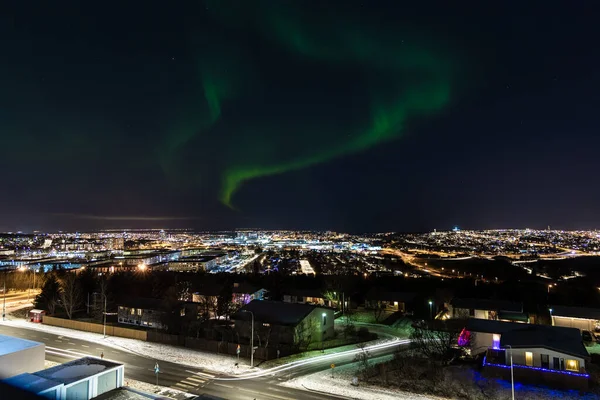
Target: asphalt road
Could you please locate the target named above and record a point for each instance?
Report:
(192, 380)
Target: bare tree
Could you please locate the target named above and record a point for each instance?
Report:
(362, 358)
(437, 345)
(378, 311)
(70, 294)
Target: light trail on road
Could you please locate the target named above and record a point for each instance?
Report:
(314, 360)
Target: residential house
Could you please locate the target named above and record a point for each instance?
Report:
(539, 354)
(482, 334)
(390, 300)
(144, 312)
(307, 296)
(242, 293)
(488, 309)
(285, 323)
(582, 318)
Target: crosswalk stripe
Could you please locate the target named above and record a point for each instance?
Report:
(193, 379)
(203, 374)
(184, 385)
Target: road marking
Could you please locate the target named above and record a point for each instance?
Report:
(98, 348)
(61, 354)
(186, 386)
(225, 386)
(59, 341)
(266, 394)
(72, 344)
(196, 380)
(45, 338)
(83, 345)
(204, 374)
(69, 351)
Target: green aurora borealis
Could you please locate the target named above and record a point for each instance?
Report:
(395, 79)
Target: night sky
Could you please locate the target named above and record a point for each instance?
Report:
(344, 115)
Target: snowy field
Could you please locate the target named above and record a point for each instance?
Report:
(159, 391)
(340, 385)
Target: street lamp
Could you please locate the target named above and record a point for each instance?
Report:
(512, 377)
(251, 339)
(4, 301)
(431, 309)
(104, 325)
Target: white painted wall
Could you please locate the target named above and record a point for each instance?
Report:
(519, 357)
(579, 323)
(30, 360)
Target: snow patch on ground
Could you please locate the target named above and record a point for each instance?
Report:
(341, 385)
(219, 363)
(158, 390)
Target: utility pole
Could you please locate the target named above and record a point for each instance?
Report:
(512, 378)
(251, 339)
(104, 328)
(4, 301)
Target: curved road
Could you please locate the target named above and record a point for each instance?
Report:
(263, 384)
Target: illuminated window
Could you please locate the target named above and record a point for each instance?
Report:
(496, 341)
(132, 311)
(529, 358)
(139, 311)
(573, 365)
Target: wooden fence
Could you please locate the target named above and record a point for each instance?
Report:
(96, 328)
(214, 346)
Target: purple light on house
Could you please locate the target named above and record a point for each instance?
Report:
(464, 339)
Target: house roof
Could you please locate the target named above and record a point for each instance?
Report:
(209, 290)
(145, 303)
(487, 304)
(576, 312)
(491, 326)
(561, 339)
(275, 312)
(31, 382)
(76, 370)
(385, 295)
(244, 288)
(9, 344)
(311, 292)
(216, 289)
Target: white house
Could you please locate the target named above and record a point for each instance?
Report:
(539, 354)
(582, 318)
(84, 378)
(487, 309)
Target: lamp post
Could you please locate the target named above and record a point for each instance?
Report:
(4, 301)
(512, 377)
(431, 309)
(104, 325)
(251, 339)
(551, 319)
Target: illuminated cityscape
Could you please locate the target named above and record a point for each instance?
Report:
(299, 200)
